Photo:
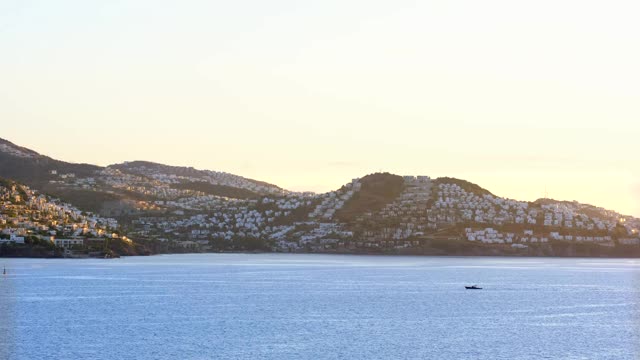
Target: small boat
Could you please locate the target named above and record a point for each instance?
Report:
(474, 287)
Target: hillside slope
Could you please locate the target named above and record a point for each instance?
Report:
(126, 188)
(33, 169)
(377, 190)
(182, 174)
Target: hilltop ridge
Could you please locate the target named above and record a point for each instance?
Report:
(124, 188)
(34, 169)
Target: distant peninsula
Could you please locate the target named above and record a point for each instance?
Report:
(51, 208)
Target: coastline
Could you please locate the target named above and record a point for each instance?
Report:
(345, 253)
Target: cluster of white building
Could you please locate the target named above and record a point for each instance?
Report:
(311, 235)
(335, 200)
(455, 205)
(493, 236)
(212, 177)
(15, 151)
(225, 218)
(401, 219)
(568, 215)
(413, 199)
(195, 218)
(142, 185)
(23, 212)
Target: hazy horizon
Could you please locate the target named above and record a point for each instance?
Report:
(517, 98)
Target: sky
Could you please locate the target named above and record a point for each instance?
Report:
(522, 98)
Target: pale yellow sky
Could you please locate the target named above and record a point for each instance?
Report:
(513, 96)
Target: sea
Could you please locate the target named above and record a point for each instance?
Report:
(306, 306)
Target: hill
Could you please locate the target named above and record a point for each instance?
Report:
(190, 175)
(33, 169)
(377, 190)
(183, 209)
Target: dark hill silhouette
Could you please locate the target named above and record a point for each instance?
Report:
(35, 169)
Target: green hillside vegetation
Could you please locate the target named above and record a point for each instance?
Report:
(377, 190)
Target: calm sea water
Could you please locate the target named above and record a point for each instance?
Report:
(279, 306)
